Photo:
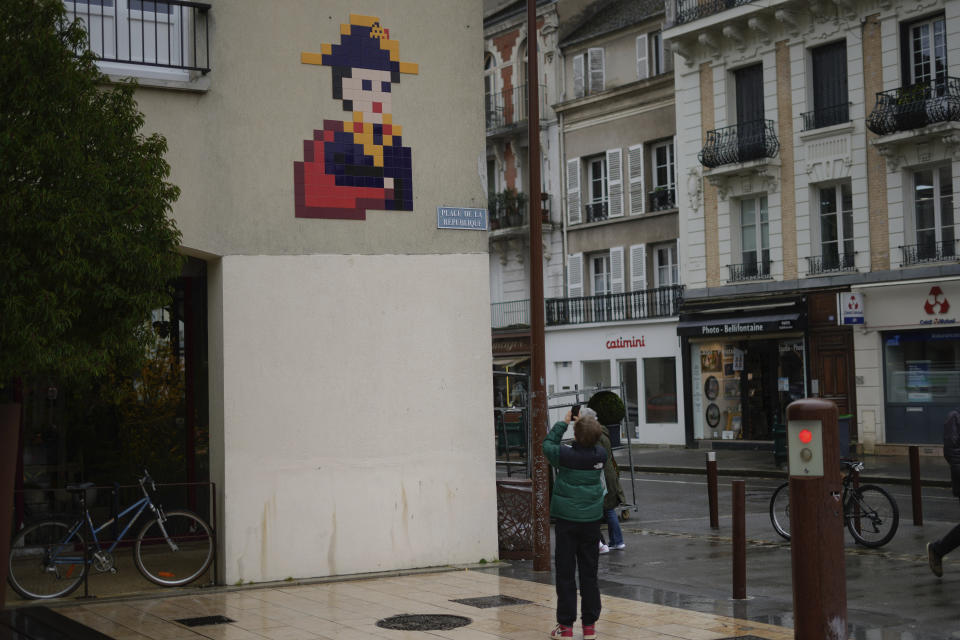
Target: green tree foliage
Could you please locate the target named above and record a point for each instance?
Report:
(86, 245)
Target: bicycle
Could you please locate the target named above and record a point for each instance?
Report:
(49, 559)
(869, 512)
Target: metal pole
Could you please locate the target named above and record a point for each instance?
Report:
(538, 392)
(712, 489)
(739, 540)
(916, 494)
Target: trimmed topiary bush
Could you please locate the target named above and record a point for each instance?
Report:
(609, 407)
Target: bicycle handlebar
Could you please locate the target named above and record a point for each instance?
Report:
(147, 480)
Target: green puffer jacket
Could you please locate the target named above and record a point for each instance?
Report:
(577, 489)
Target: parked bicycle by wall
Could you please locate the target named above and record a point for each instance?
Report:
(870, 513)
(49, 559)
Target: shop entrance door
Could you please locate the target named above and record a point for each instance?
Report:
(831, 358)
(759, 385)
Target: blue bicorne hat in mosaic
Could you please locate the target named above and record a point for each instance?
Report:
(364, 44)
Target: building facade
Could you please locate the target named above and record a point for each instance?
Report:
(313, 150)
(818, 171)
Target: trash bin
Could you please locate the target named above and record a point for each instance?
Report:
(843, 434)
(779, 444)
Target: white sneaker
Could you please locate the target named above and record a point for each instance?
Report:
(604, 548)
(619, 546)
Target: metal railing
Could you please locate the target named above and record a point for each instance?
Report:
(829, 263)
(506, 217)
(758, 270)
(511, 107)
(662, 199)
(510, 314)
(740, 143)
(173, 34)
(611, 307)
(826, 116)
(943, 251)
(596, 211)
(690, 10)
(915, 105)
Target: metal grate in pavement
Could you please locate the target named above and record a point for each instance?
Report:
(204, 620)
(423, 622)
(486, 602)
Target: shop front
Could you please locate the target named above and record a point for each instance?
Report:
(643, 359)
(914, 380)
(742, 371)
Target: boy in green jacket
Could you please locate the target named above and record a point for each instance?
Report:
(577, 506)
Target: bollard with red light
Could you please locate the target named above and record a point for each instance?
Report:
(816, 521)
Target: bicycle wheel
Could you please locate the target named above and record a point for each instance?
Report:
(176, 552)
(46, 561)
(780, 510)
(872, 516)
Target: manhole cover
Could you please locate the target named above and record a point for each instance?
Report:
(742, 638)
(487, 602)
(423, 622)
(204, 620)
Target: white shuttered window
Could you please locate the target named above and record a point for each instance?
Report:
(578, 77)
(643, 66)
(595, 63)
(616, 270)
(638, 280)
(574, 208)
(575, 275)
(635, 170)
(614, 183)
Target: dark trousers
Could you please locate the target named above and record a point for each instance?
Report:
(577, 550)
(947, 543)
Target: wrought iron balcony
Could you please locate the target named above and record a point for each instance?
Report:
(757, 270)
(510, 107)
(944, 251)
(505, 217)
(504, 315)
(690, 10)
(172, 34)
(830, 263)
(612, 307)
(740, 143)
(596, 211)
(826, 117)
(916, 105)
(662, 199)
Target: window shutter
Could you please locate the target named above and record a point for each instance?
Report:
(596, 70)
(643, 65)
(578, 83)
(638, 267)
(666, 55)
(616, 269)
(614, 183)
(635, 169)
(574, 210)
(575, 275)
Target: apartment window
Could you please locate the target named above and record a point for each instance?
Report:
(597, 188)
(600, 273)
(489, 88)
(755, 236)
(926, 50)
(829, 84)
(933, 213)
(169, 37)
(651, 58)
(666, 271)
(836, 227)
(663, 166)
(588, 72)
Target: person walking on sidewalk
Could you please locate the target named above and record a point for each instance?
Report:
(951, 451)
(577, 506)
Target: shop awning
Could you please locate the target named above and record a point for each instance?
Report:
(740, 325)
(509, 362)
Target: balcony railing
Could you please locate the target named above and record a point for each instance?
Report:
(596, 211)
(172, 34)
(611, 307)
(510, 107)
(758, 270)
(504, 315)
(916, 105)
(943, 251)
(662, 199)
(504, 218)
(740, 143)
(826, 117)
(690, 10)
(831, 263)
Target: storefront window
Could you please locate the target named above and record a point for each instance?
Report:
(922, 367)
(596, 373)
(660, 389)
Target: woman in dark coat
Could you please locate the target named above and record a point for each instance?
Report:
(951, 452)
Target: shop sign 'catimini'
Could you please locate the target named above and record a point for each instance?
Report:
(626, 343)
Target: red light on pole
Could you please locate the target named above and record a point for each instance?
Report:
(805, 436)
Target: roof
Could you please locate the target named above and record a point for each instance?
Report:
(607, 16)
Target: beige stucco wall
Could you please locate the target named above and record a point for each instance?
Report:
(232, 148)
